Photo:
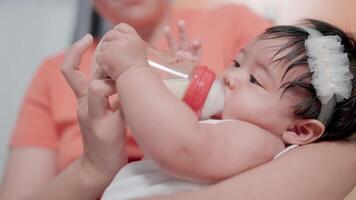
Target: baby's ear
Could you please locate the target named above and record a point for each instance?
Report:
(303, 131)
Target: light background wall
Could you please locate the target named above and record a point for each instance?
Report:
(30, 30)
(33, 29)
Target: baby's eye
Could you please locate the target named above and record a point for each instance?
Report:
(236, 63)
(254, 81)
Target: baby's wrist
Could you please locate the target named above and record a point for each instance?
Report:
(131, 70)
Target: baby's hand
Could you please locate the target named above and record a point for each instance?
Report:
(184, 48)
(121, 49)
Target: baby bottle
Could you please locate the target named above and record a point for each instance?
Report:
(196, 85)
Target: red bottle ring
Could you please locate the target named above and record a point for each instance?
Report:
(198, 90)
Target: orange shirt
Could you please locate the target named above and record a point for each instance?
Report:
(48, 116)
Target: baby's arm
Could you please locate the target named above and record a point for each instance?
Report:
(168, 131)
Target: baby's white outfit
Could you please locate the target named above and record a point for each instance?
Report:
(144, 178)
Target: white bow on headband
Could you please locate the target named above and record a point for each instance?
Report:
(331, 78)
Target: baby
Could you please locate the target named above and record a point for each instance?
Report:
(291, 86)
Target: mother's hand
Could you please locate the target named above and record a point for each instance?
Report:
(101, 122)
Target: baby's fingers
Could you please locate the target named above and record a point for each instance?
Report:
(70, 66)
(98, 97)
(169, 38)
(183, 36)
(196, 48)
(115, 103)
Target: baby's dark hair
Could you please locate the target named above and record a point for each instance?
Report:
(343, 120)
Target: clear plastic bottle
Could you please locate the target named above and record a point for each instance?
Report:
(196, 85)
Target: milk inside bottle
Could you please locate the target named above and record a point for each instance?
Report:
(196, 85)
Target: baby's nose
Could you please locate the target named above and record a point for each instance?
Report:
(234, 79)
(230, 81)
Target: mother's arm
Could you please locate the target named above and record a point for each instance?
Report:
(31, 172)
(316, 171)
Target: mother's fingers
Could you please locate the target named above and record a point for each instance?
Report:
(70, 66)
(98, 96)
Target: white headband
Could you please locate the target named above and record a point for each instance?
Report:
(331, 78)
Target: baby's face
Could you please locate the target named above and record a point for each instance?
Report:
(253, 91)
